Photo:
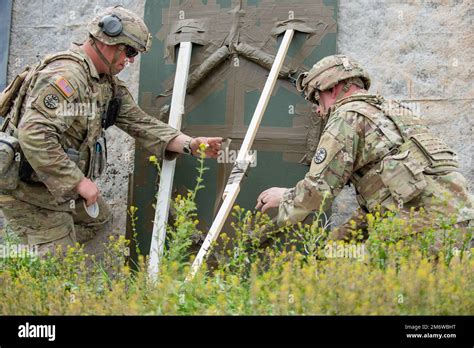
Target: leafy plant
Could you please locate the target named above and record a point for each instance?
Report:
(261, 270)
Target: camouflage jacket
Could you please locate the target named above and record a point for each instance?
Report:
(63, 110)
(370, 143)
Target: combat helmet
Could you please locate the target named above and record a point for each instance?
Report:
(328, 72)
(117, 25)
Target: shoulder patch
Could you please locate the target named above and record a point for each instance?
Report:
(63, 86)
(320, 155)
(51, 101)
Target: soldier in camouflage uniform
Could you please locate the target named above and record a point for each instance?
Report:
(379, 146)
(59, 117)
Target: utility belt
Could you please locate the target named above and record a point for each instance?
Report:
(400, 176)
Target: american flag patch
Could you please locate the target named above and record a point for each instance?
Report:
(64, 87)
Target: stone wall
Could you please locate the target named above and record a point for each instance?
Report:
(419, 51)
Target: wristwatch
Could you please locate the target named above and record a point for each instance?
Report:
(187, 147)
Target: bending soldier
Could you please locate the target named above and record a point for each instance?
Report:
(379, 146)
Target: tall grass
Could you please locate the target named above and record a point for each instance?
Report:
(262, 270)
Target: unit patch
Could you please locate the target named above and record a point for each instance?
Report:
(64, 87)
(320, 155)
(51, 101)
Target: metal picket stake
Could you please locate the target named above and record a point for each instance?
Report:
(168, 167)
(243, 159)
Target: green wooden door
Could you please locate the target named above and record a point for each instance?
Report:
(223, 102)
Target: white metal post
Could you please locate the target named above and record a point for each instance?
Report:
(168, 167)
(233, 185)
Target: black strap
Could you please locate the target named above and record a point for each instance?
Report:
(6, 142)
(26, 170)
(110, 115)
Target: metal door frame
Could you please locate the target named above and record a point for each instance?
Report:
(5, 27)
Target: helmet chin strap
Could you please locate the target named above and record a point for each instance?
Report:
(343, 91)
(328, 111)
(353, 81)
(341, 95)
(111, 65)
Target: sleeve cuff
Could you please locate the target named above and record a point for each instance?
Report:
(287, 202)
(166, 154)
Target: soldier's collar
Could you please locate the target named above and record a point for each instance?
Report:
(76, 48)
(362, 95)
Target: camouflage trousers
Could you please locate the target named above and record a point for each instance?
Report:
(48, 229)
